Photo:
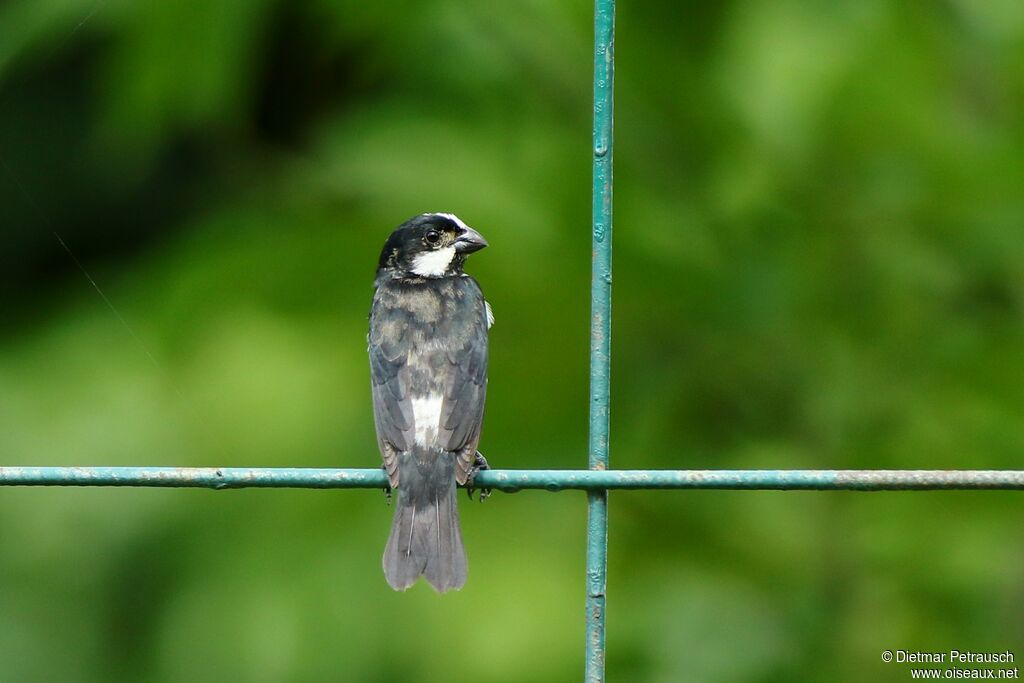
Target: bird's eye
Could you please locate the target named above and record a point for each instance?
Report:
(433, 237)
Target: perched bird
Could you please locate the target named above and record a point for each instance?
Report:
(428, 365)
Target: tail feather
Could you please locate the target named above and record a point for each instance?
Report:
(426, 541)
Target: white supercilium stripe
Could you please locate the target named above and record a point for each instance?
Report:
(452, 217)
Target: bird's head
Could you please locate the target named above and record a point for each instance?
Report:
(431, 245)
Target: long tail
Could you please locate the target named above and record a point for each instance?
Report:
(425, 538)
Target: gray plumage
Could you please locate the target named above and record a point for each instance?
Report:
(428, 360)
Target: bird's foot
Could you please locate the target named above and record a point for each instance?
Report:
(387, 489)
(479, 463)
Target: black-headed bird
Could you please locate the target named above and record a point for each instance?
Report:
(428, 364)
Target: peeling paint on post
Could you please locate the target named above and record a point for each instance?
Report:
(599, 479)
(600, 333)
(511, 481)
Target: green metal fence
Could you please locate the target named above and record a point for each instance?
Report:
(598, 479)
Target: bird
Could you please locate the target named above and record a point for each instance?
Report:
(427, 344)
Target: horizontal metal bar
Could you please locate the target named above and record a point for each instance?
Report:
(514, 480)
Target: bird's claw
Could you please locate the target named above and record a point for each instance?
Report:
(479, 463)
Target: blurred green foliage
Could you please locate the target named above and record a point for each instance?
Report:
(818, 261)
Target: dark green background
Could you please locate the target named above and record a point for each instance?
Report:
(819, 238)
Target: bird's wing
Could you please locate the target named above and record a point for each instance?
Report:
(462, 411)
(392, 407)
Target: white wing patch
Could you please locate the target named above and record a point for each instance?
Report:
(433, 263)
(426, 415)
(490, 314)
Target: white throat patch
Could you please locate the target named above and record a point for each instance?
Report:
(433, 263)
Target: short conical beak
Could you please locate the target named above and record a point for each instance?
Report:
(469, 241)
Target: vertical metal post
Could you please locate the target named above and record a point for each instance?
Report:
(600, 333)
